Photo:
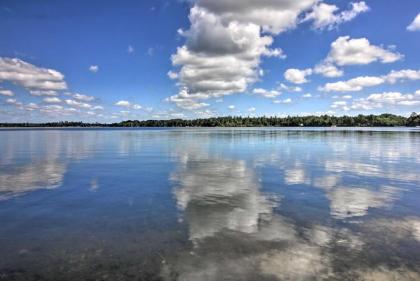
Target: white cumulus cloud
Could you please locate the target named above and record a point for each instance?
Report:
(52, 100)
(348, 51)
(123, 103)
(78, 104)
(266, 93)
(130, 49)
(187, 101)
(328, 70)
(93, 68)
(415, 25)
(386, 100)
(353, 85)
(7, 93)
(225, 44)
(297, 76)
(403, 75)
(285, 101)
(289, 88)
(325, 16)
(39, 93)
(81, 97)
(127, 104)
(359, 83)
(273, 16)
(29, 76)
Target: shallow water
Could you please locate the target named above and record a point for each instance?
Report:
(210, 204)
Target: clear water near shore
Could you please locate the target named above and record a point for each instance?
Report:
(210, 204)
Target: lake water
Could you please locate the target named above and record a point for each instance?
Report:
(210, 204)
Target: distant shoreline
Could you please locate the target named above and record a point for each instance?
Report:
(324, 121)
(291, 128)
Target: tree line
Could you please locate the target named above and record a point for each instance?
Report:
(383, 120)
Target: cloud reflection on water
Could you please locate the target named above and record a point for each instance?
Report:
(41, 175)
(256, 205)
(238, 235)
(347, 202)
(40, 159)
(217, 194)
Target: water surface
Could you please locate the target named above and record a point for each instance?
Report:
(210, 204)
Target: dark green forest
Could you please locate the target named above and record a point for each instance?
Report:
(383, 120)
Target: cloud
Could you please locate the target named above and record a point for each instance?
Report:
(31, 106)
(98, 107)
(227, 39)
(81, 97)
(324, 16)
(225, 44)
(273, 16)
(58, 110)
(288, 100)
(341, 105)
(380, 100)
(328, 70)
(231, 107)
(353, 85)
(123, 103)
(218, 59)
(276, 53)
(297, 76)
(415, 25)
(39, 82)
(289, 88)
(127, 104)
(130, 49)
(347, 51)
(78, 104)
(29, 76)
(43, 93)
(390, 98)
(252, 109)
(52, 100)
(7, 93)
(308, 95)
(53, 107)
(265, 93)
(172, 75)
(359, 83)
(186, 101)
(403, 75)
(11, 101)
(93, 68)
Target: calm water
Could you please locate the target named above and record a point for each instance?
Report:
(209, 204)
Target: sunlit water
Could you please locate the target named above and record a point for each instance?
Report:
(210, 204)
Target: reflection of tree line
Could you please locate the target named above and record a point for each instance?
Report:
(383, 120)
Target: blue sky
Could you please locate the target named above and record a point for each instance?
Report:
(110, 60)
